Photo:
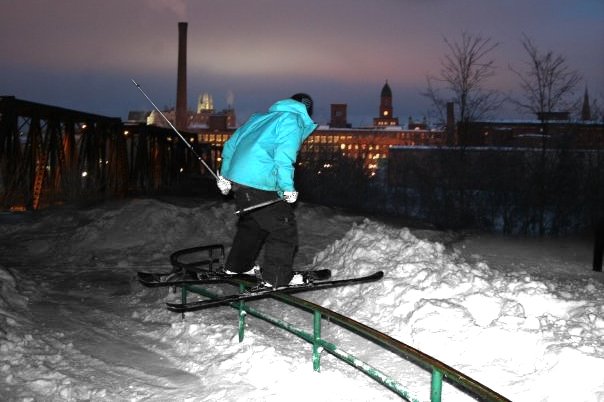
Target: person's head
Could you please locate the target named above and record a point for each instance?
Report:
(306, 100)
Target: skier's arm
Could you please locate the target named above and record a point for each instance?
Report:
(287, 145)
(227, 152)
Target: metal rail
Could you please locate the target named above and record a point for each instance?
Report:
(439, 370)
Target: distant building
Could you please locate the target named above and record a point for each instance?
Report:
(385, 118)
(207, 116)
(546, 130)
(339, 116)
(567, 134)
(371, 145)
(204, 116)
(205, 103)
(137, 116)
(414, 125)
(374, 144)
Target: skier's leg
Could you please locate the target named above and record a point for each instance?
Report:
(280, 244)
(246, 245)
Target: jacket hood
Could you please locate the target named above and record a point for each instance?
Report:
(293, 106)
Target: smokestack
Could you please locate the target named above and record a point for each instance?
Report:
(181, 84)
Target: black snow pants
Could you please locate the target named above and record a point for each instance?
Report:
(274, 227)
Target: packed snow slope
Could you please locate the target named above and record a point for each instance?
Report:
(524, 317)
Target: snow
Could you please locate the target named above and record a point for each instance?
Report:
(525, 317)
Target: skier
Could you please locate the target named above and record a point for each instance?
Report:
(257, 165)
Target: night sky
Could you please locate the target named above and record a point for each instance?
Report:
(82, 54)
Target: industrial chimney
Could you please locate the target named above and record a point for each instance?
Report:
(181, 84)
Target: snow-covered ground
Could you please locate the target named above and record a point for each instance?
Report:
(523, 316)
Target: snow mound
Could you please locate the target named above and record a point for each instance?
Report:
(12, 303)
(433, 300)
(521, 331)
(131, 226)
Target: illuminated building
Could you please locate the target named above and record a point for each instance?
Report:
(386, 118)
(370, 145)
(196, 120)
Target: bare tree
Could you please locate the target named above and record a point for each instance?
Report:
(462, 77)
(597, 113)
(596, 110)
(548, 84)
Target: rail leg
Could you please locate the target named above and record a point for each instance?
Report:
(437, 386)
(316, 349)
(242, 315)
(183, 298)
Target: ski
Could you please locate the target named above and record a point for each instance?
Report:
(150, 279)
(253, 294)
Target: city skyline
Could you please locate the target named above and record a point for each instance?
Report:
(83, 55)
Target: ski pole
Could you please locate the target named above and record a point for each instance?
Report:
(176, 131)
(260, 205)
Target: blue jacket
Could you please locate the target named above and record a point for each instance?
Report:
(262, 152)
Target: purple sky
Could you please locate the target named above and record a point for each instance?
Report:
(82, 54)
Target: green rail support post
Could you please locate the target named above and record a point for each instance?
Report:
(183, 298)
(242, 314)
(316, 346)
(436, 386)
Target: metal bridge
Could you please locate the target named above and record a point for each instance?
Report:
(51, 155)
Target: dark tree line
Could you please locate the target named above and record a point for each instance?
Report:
(328, 178)
(506, 191)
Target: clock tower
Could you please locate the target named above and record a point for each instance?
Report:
(385, 118)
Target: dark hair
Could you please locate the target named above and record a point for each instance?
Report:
(306, 100)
